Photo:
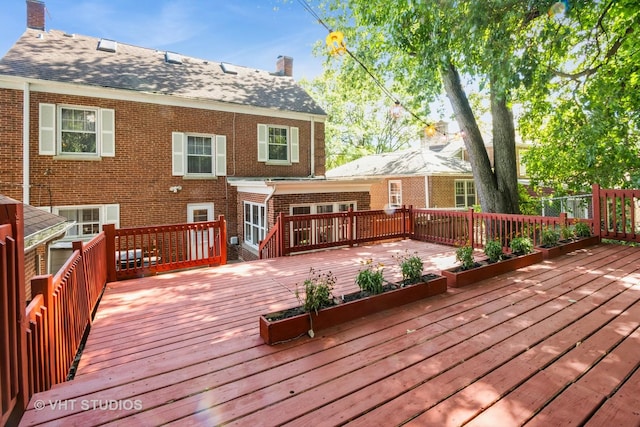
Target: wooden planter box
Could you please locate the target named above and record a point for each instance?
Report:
(273, 332)
(456, 279)
(564, 248)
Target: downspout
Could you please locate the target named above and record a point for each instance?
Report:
(426, 191)
(313, 147)
(26, 184)
(266, 207)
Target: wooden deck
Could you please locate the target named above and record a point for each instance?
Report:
(554, 344)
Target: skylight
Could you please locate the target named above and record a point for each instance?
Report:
(107, 45)
(228, 68)
(172, 58)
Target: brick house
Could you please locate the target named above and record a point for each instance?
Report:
(104, 132)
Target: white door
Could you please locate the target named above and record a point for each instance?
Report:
(201, 241)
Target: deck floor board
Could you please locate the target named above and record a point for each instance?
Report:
(524, 347)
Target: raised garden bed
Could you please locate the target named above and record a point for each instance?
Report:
(484, 270)
(275, 331)
(565, 247)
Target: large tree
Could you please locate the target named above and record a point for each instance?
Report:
(585, 120)
(492, 47)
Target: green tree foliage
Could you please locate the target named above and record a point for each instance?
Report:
(360, 120)
(512, 51)
(584, 120)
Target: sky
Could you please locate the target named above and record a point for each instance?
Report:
(251, 33)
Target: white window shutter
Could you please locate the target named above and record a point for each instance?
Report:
(111, 215)
(177, 147)
(107, 132)
(262, 143)
(295, 145)
(47, 124)
(221, 155)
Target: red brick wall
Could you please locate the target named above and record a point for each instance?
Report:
(11, 143)
(442, 190)
(413, 192)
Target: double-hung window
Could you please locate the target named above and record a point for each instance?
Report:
(395, 193)
(199, 156)
(88, 219)
(465, 193)
(278, 144)
(76, 131)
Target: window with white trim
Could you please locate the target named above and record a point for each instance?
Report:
(76, 131)
(395, 193)
(465, 193)
(198, 156)
(88, 219)
(278, 144)
(255, 223)
(522, 166)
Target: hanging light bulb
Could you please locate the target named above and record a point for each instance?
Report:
(397, 110)
(430, 131)
(335, 42)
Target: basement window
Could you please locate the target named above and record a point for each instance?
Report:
(107, 45)
(172, 58)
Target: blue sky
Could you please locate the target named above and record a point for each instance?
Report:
(243, 32)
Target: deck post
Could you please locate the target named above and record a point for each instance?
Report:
(563, 219)
(350, 226)
(43, 285)
(110, 234)
(595, 203)
(223, 239)
(280, 239)
(470, 220)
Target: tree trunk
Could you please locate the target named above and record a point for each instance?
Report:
(494, 189)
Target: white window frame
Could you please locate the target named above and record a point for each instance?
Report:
(108, 214)
(395, 197)
(50, 131)
(327, 231)
(180, 155)
(293, 144)
(465, 183)
(261, 227)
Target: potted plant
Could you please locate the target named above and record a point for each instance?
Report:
(578, 238)
(497, 262)
(319, 309)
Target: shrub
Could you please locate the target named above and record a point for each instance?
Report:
(411, 267)
(317, 291)
(566, 232)
(464, 254)
(521, 245)
(582, 229)
(550, 237)
(369, 278)
(493, 250)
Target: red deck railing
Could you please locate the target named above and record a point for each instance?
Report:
(618, 213)
(140, 251)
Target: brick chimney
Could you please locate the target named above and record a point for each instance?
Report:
(35, 14)
(284, 66)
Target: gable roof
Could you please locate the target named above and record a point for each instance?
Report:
(411, 162)
(71, 58)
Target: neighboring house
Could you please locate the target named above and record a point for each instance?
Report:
(41, 230)
(416, 177)
(105, 132)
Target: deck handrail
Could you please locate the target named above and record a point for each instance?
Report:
(616, 213)
(139, 251)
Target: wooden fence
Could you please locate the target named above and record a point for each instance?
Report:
(141, 251)
(618, 213)
(40, 342)
(300, 233)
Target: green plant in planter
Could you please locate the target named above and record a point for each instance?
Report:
(464, 254)
(566, 233)
(493, 250)
(582, 229)
(411, 267)
(521, 245)
(369, 278)
(317, 291)
(550, 237)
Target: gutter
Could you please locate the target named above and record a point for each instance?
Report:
(46, 235)
(26, 183)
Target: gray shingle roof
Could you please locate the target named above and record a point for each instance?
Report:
(56, 56)
(401, 163)
(35, 220)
